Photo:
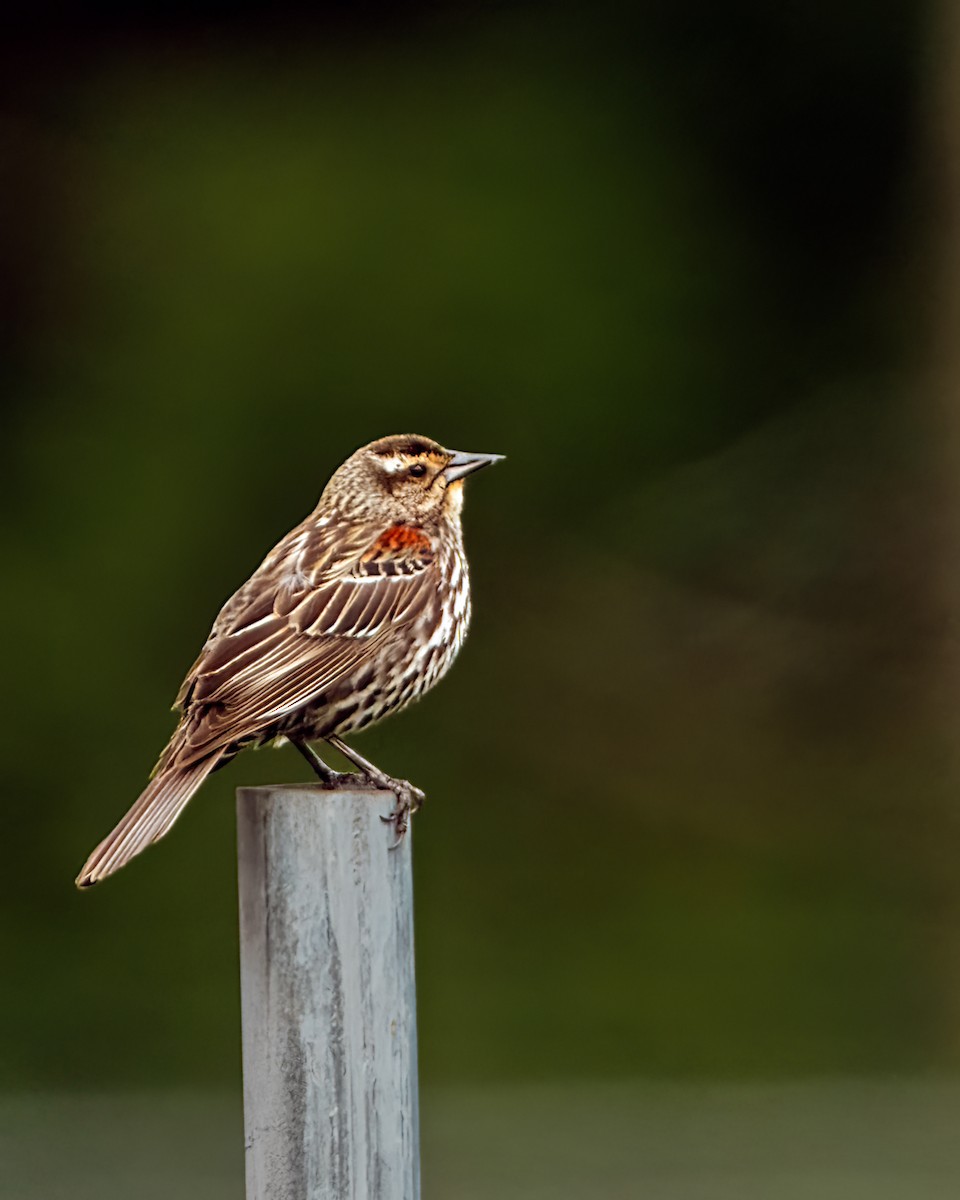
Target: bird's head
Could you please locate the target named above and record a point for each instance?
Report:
(403, 477)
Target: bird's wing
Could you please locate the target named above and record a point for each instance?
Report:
(324, 601)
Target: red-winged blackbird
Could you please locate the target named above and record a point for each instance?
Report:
(355, 613)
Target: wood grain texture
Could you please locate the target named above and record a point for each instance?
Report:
(328, 997)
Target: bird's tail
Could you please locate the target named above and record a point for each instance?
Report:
(159, 805)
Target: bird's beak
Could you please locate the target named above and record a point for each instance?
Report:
(462, 464)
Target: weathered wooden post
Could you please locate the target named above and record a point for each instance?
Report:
(328, 997)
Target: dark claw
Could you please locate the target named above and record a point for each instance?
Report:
(409, 800)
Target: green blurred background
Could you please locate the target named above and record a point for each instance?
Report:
(691, 840)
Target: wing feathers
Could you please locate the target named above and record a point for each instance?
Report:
(322, 604)
(333, 598)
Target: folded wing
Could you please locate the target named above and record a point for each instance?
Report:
(320, 606)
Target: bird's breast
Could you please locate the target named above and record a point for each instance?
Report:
(403, 667)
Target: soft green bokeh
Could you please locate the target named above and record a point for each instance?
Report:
(829, 1140)
(686, 786)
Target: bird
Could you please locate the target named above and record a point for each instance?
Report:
(353, 615)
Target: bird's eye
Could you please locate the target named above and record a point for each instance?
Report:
(418, 470)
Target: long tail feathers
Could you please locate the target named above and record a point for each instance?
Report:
(159, 805)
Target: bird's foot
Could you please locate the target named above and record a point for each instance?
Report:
(344, 780)
(339, 780)
(409, 799)
(327, 775)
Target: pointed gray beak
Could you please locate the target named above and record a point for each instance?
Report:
(462, 464)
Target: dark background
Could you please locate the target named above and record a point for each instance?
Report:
(691, 786)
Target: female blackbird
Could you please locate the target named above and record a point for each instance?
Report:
(355, 613)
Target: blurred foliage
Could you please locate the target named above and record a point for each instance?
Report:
(860, 1140)
(686, 786)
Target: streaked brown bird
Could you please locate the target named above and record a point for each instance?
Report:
(357, 612)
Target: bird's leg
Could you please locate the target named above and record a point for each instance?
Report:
(324, 773)
(409, 798)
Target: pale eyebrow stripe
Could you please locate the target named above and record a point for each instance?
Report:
(394, 463)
